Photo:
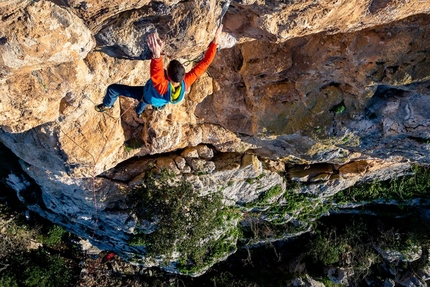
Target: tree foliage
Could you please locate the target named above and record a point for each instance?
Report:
(194, 225)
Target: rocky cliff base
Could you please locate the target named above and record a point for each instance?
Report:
(303, 101)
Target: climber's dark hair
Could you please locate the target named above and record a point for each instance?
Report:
(176, 71)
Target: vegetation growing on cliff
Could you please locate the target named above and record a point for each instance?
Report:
(282, 213)
(26, 253)
(414, 185)
(197, 227)
(278, 213)
(337, 242)
(365, 245)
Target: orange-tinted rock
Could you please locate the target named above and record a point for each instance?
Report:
(354, 168)
(351, 77)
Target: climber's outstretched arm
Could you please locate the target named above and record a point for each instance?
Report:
(202, 66)
(156, 69)
(155, 45)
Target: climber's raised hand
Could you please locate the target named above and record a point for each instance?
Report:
(217, 34)
(155, 44)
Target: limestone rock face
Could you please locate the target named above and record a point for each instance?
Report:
(41, 45)
(327, 94)
(281, 20)
(313, 84)
(187, 27)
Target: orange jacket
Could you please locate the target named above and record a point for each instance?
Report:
(160, 81)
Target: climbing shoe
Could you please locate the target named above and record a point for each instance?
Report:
(139, 115)
(102, 108)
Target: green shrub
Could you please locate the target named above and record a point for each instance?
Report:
(20, 266)
(339, 108)
(185, 221)
(348, 246)
(266, 197)
(400, 188)
(8, 281)
(54, 236)
(327, 248)
(44, 270)
(35, 268)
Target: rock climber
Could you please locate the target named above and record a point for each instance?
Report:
(164, 86)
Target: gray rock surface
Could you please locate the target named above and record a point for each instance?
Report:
(327, 94)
